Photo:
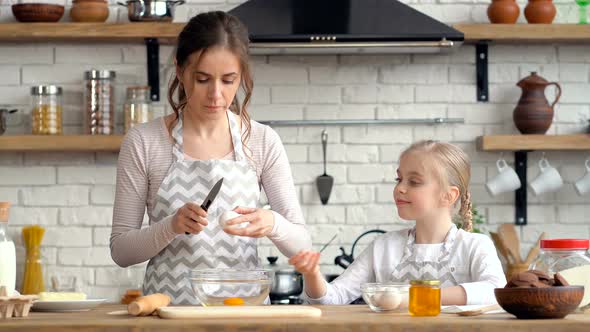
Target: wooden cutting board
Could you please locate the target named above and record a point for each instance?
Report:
(239, 312)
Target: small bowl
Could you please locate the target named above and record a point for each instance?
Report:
(386, 296)
(37, 12)
(218, 287)
(535, 303)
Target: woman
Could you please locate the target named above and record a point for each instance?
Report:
(170, 164)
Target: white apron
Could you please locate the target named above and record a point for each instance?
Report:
(191, 181)
(410, 268)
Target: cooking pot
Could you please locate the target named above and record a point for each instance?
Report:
(287, 281)
(150, 10)
(3, 113)
(345, 260)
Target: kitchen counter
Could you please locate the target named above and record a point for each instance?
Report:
(335, 318)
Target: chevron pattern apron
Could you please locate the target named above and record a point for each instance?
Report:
(410, 268)
(191, 181)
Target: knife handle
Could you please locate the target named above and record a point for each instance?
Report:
(205, 207)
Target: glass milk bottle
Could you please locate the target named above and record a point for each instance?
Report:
(7, 252)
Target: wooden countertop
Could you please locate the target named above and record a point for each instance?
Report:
(334, 319)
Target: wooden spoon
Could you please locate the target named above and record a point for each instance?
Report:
(508, 234)
(502, 248)
(534, 252)
(479, 311)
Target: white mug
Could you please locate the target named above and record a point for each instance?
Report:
(548, 181)
(506, 180)
(583, 184)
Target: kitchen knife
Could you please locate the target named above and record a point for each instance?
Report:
(210, 197)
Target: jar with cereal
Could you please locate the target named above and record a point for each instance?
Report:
(47, 110)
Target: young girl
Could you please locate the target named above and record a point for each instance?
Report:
(432, 179)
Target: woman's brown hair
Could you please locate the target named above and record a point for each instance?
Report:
(205, 31)
(454, 166)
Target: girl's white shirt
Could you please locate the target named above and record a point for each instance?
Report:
(474, 263)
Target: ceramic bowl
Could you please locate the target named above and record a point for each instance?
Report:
(535, 303)
(386, 296)
(218, 287)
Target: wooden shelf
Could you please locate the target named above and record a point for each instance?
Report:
(89, 32)
(167, 32)
(533, 142)
(69, 143)
(518, 33)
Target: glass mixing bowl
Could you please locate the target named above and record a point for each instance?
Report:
(217, 287)
(386, 296)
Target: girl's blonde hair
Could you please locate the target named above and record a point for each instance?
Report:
(454, 169)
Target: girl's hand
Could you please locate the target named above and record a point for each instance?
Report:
(261, 222)
(306, 262)
(189, 218)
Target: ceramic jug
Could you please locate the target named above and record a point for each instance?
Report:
(503, 11)
(533, 114)
(540, 11)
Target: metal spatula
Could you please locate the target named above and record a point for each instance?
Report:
(324, 182)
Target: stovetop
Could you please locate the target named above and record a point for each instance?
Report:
(291, 300)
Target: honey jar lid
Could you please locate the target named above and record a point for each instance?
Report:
(425, 282)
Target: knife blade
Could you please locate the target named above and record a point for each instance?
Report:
(210, 197)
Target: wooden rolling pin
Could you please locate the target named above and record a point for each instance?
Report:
(146, 305)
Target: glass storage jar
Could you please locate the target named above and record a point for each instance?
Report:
(99, 96)
(570, 258)
(424, 298)
(47, 110)
(138, 106)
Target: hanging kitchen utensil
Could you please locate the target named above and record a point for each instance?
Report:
(508, 234)
(324, 182)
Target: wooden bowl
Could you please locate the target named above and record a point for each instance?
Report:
(37, 12)
(89, 11)
(535, 303)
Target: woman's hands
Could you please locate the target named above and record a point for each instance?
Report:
(261, 222)
(190, 218)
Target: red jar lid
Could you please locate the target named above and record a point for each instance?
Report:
(565, 244)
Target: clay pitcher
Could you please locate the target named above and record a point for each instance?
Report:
(540, 11)
(533, 114)
(503, 11)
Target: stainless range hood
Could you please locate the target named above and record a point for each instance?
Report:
(342, 27)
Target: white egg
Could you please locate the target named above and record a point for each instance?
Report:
(389, 300)
(228, 215)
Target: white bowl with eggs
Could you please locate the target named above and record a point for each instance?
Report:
(382, 297)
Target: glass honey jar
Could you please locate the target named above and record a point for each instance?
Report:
(424, 298)
(47, 110)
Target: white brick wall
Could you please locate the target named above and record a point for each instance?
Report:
(71, 194)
